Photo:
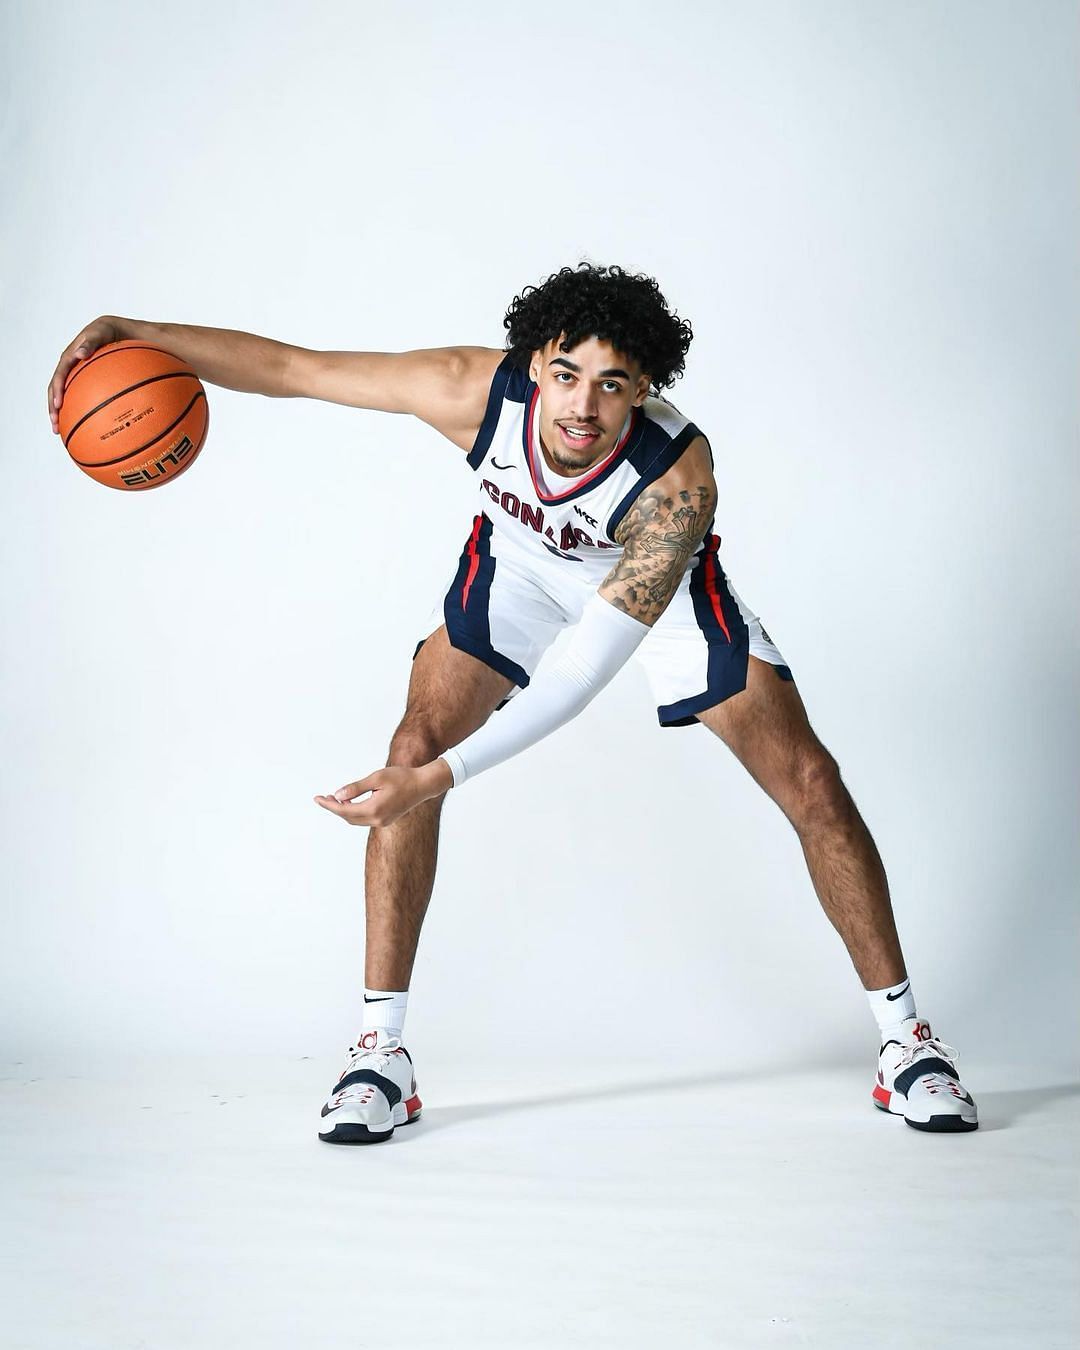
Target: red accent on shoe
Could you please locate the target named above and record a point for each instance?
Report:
(882, 1096)
(412, 1106)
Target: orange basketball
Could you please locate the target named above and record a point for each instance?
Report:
(133, 416)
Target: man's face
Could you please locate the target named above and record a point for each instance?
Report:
(585, 397)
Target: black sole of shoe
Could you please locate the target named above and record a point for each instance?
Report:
(360, 1134)
(943, 1124)
(355, 1134)
(936, 1124)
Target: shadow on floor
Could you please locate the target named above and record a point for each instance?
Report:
(997, 1110)
(441, 1117)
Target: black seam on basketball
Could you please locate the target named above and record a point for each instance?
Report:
(108, 463)
(110, 350)
(154, 379)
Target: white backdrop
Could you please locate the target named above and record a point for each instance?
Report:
(868, 213)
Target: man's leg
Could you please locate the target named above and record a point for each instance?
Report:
(451, 694)
(766, 728)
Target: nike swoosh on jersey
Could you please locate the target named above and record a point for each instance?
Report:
(496, 465)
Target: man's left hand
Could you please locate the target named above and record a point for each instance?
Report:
(394, 792)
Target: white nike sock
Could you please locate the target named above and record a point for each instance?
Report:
(891, 1006)
(385, 1008)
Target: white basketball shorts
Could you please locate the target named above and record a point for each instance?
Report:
(506, 606)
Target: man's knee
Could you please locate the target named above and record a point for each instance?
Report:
(820, 797)
(415, 742)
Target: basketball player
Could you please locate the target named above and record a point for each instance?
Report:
(597, 505)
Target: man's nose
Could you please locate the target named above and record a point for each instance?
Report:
(584, 403)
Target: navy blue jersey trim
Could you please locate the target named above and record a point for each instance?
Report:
(467, 606)
(499, 391)
(518, 386)
(655, 468)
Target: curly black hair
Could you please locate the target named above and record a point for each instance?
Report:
(609, 303)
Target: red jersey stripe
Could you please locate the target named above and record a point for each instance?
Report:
(474, 560)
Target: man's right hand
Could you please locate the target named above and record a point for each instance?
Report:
(97, 334)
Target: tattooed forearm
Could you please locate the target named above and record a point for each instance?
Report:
(660, 534)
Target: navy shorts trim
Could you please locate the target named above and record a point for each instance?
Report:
(724, 628)
(685, 712)
(466, 608)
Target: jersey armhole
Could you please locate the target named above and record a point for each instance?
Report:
(656, 468)
(505, 384)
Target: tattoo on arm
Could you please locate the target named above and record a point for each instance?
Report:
(659, 535)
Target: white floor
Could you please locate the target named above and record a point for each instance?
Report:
(190, 1206)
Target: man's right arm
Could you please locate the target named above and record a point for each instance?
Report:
(446, 387)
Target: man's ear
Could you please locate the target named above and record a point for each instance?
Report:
(642, 391)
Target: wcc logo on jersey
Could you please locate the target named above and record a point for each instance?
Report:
(569, 537)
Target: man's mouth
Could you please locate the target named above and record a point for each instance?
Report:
(579, 437)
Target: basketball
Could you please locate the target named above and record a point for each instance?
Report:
(133, 416)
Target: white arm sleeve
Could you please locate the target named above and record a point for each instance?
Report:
(603, 642)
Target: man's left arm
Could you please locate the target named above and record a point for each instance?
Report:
(659, 535)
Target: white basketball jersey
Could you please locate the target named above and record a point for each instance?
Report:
(572, 518)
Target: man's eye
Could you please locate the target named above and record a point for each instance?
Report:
(563, 375)
(612, 387)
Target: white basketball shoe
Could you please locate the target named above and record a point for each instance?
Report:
(917, 1079)
(376, 1091)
